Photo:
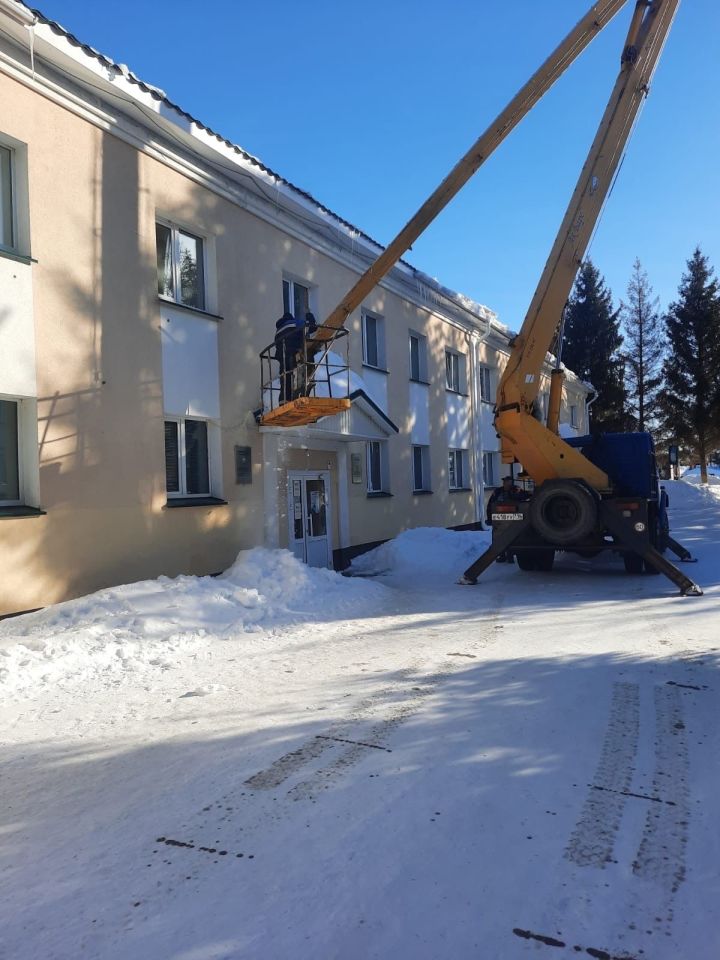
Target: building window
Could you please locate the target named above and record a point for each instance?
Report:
(180, 266)
(455, 371)
(421, 468)
(7, 217)
(377, 468)
(489, 478)
(373, 340)
(296, 299)
(458, 475)
(485, 386)
(9, 453)
(418, 357)
(573, 415)
(187, 469)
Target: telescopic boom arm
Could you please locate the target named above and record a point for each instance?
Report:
(597, 17)
(542, 453)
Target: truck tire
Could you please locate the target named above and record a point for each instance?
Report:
(633, 563)
(563, 511)
(526, 559)
(544, 559)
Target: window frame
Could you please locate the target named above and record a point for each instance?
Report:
(485, 382)
(384, 487)
(572, 410)
(379, 340)
(488, 461)
(18, 453)
(175, 230)
(425, 475)
(461, 364)
(421, 339)
(182, 493)
(460, 457)
(292, 282)
(13, 246)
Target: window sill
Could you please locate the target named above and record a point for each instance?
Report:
(425, 383)
(174, 502)
(458, 393)
(421, 493)
(17, 257)
(370, 366)
(20, 510)
(174, 305)
(460, 489)
(377, 494)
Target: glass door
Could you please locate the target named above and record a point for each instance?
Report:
(309, 518)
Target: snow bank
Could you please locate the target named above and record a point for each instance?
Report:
(144, 627)
(692, 474)
(429, 550)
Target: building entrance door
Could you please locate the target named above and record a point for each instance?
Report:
(309, 517)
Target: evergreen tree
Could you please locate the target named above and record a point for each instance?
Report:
(591, 347)
(691, 399)
(644, 348)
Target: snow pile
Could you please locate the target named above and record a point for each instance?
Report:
(692, 474)
(144, 627)
(430, 550)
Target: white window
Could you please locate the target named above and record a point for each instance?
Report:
(187, 464)
(296, 298)
(455, 371)
(421, 468)
(10, 466)
(485, 385)
(180, 265)
(373, 340)
(489, 476)
(458, 475)
(7, 214)
(418, 357)
(377, 467)
(573, 415)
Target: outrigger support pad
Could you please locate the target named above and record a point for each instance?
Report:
(627, 537)
(679, 550)
(508, 534)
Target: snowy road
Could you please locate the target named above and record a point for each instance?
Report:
(525, 768)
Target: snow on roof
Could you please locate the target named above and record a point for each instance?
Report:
(471, 307)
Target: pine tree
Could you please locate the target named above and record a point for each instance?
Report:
(644, 348)
(591, 347)
(691, 399)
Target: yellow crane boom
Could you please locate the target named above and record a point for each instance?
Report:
(543, 454)
(597, 17)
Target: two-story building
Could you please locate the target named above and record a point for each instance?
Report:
(144, 260)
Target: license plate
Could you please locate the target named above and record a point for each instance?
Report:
(506, 516)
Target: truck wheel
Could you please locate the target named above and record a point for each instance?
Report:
(563, 511)
(526, 559)
(544, 560)
(633, 563)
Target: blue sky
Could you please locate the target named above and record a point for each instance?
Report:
(368, 105)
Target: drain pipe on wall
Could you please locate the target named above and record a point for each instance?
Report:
(588, 404)
(474, 339)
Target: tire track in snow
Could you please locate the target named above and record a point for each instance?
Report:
(593, 839)
(660, 858)
(290, 763)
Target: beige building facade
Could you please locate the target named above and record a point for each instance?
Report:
(143, 264)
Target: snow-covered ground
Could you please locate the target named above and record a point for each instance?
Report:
(286, 763)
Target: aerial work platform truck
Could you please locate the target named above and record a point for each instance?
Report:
(593, 493)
